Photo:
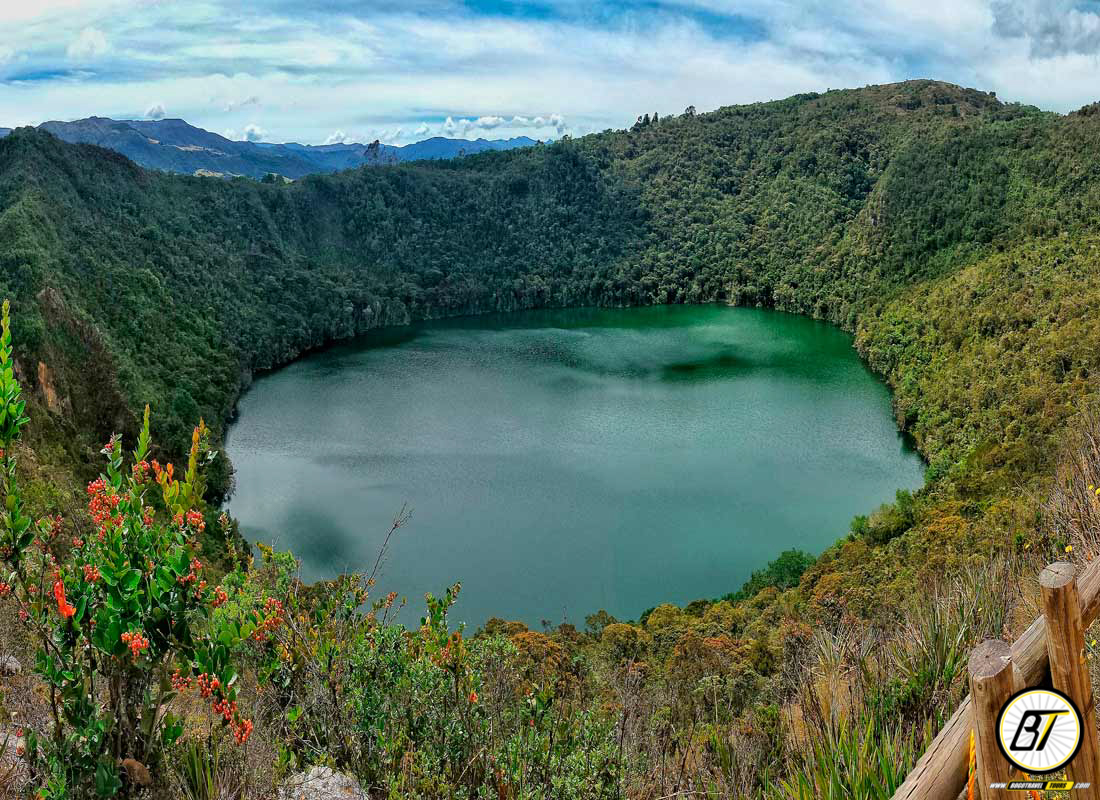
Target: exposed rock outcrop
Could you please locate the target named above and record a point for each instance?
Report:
(321, 783)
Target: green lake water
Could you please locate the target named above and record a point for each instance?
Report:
(562, 462)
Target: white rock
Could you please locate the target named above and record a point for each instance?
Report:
(9, 665)
(321, 783)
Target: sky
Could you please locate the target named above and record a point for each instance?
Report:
(317, 71)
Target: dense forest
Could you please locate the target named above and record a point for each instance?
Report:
(956, 236)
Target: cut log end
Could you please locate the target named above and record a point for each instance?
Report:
(990, 658)
(1057, 575)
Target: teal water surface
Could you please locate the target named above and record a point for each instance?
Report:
(562, 462)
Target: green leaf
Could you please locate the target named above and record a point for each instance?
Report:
(107, 782)
(173, 729)
(110, 635)
(130, 580)
(165, 579)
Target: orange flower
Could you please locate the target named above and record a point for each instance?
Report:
(242, 730)
(473, 697)
(64, 608)
(136, 642)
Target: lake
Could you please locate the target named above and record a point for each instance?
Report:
(562, 462)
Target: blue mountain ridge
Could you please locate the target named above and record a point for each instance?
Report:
(174, 145)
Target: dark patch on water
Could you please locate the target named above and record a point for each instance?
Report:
(706, 368)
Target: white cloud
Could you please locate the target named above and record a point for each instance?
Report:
(387, 136)
(463, 126)
(1051, 27)
(210, 62)
(251, 133)
(156, 111)
(6, 54)
(90, 43)
(235, 105)
(336, 137)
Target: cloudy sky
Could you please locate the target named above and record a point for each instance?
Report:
(327, 70)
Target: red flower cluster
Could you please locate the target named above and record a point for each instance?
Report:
(136, 642)
(220, 597)
(180, 682)
(5, 589)
(222, 706)
(195, 520)
(242, 730)
(101, 505)
(227, 708)
(191, 576)
(274, 611)
(64, 607)
(208, 685)
(141, 471)
(91, 573)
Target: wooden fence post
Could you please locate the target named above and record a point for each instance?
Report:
(941, 771)
(1069, 669)
(992, 682)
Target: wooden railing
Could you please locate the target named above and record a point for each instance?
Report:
(1045, 651)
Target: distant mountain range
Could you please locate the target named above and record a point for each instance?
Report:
(175, 146)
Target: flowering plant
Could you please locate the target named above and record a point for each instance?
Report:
(121, 614)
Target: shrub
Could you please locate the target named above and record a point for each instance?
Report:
(120, 613)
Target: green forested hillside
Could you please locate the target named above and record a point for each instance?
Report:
(193, 283)
(956, 236)
(812, 204)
